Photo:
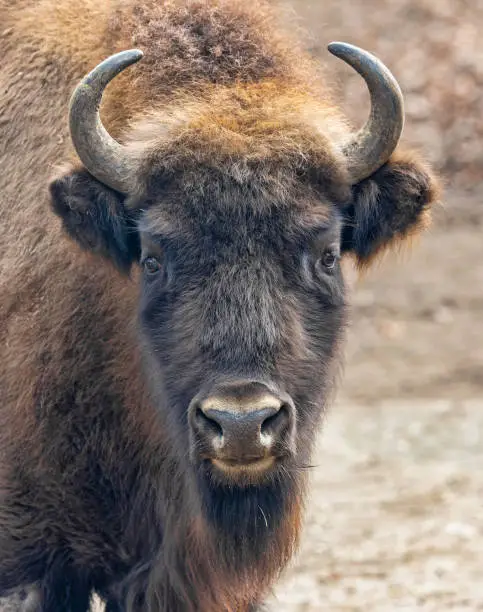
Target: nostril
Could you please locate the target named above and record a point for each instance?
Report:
(276, 422)
(207, 424)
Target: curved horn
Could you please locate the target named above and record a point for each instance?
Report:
(103, 156)
(373, 144)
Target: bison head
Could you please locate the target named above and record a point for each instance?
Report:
(238, 209)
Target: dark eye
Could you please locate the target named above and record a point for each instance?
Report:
(329, 259)
(151, 265)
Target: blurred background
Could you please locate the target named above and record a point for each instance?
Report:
(395, 514)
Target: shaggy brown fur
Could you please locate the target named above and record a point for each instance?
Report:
(236, 139)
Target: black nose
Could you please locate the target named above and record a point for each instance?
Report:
(242, 424)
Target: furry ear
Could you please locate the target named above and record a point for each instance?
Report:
(388, 207)
(94, 215)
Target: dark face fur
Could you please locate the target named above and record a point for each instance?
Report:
(241, 308)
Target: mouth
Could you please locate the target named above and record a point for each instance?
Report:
(234, 467)
(241, 472)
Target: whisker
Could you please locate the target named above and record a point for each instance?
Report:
(263, 514)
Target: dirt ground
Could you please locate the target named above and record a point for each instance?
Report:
(395, 514)
(395, 518)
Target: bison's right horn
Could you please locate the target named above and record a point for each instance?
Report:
(103, 156)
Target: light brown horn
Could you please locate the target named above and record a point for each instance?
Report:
(373, 144)
(103, 156)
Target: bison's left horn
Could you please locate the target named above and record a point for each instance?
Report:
(103, 156)
(373, 144)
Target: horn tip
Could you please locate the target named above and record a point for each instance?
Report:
(134, 55)
(340, 48)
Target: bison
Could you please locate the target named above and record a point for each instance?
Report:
(173, 299)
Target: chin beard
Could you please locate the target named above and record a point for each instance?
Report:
(249, 522)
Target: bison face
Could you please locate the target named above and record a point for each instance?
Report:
(242, 312)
